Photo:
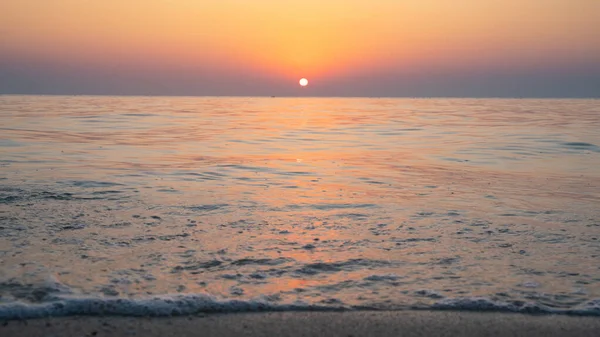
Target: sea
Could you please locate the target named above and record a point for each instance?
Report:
(161, 206)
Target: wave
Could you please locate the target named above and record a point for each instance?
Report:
(189, 304)
(164, 305)
(590, 308)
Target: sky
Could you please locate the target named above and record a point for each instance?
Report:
(403, 48)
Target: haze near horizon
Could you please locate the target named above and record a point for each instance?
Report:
(462, 48)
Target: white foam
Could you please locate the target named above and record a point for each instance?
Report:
(590, 308)
(189, 304)
(166, 305)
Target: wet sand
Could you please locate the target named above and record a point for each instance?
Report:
(391, 323)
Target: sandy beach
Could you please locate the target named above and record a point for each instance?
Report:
(390, 323)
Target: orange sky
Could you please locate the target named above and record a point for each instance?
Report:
(311, 38)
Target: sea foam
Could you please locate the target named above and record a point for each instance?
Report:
(590, 308)
(164, 305)
(189, 304)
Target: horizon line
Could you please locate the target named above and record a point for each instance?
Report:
(324, 96)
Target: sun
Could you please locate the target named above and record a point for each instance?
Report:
(303, 82)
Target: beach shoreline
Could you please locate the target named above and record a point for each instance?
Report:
(349, 323)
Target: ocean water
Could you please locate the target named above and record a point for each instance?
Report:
(178, 205)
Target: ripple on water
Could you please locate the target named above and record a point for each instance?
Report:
(347, 265)
(91, 183)
(319, 205)
(581, 146)
(207, 208)
(327, 207)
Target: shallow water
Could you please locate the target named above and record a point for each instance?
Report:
(291, 203)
